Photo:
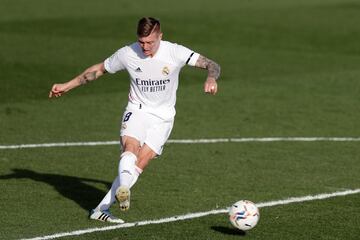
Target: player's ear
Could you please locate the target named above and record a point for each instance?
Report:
(160, 35)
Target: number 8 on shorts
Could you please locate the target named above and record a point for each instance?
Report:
(127, 116)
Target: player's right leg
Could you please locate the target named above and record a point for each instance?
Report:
(136, 126)
(128, 180)
(127, 171)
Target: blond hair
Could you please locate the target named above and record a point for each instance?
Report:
(147, 25)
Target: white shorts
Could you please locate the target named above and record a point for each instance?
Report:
(146, 128)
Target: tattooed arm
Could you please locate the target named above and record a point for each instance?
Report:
(90, 74)
(210, 85)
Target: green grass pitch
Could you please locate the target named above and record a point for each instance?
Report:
(289, 69)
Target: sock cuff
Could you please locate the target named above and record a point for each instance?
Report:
(139, 170)
(128, 154)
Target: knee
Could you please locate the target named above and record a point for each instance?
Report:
(130, 148)
(130, 144)
(144, 159)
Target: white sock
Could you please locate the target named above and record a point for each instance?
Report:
(137, 173)
(109, 198)
(126, 165)
(127, 170)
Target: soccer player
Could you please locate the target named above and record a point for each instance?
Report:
(153, 66)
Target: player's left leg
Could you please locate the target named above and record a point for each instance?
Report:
(146, 154)
(101, 212)
(109, 198)
(104, 216)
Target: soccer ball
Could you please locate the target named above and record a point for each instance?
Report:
(244, 215)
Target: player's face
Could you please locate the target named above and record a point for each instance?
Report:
(150, 44)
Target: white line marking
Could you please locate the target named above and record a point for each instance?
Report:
(69, 144)
(196, 215)
(191, 141)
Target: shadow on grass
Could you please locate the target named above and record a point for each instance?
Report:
(228, 231)
(74, 188)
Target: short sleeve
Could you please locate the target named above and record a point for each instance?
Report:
(116, 61)
(184, 55)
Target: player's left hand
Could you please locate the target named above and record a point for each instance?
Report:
(210, 86)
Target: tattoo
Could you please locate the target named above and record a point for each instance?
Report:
(87, 77)
(212, 67)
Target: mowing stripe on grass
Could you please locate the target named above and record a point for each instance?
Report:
(196, 215)
(191, 141)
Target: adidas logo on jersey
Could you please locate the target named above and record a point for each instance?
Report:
(138, 69)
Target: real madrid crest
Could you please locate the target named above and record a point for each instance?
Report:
(165, 71)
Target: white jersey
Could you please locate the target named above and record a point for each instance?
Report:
(154, 80)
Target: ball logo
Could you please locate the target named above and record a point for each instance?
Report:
(165, 71)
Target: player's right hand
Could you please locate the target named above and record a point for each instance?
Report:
(57, 90)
